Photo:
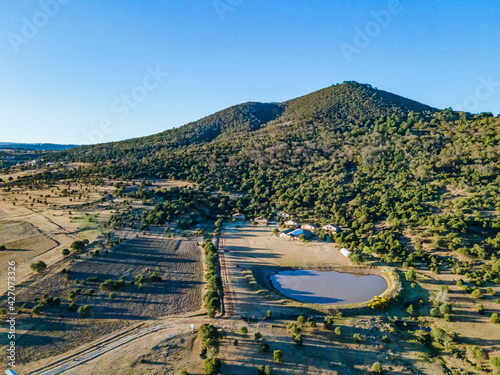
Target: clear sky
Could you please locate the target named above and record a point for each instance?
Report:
(90, 71)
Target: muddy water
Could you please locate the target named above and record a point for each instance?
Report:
(328, 287)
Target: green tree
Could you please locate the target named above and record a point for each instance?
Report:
(65, 252)
(212, 366)
(328, 322)
(278, 356)
(377, 368)
(411, 276)
(78, 245)
(264, 347)
(494, 318)
(38, 267)
(84, 311)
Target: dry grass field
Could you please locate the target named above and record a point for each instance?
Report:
(176, 261)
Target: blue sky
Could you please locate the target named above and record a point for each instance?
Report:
(93, 71)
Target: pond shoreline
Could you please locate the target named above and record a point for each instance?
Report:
(263, 275)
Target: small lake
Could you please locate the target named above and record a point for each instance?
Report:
(328, 287)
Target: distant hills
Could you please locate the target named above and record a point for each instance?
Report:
(36, 146)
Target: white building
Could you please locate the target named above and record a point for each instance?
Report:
(239, 217)
(309, 226)
(345, 252)
(283, 214)
(331, 228)
(292, 223)
(262, 220)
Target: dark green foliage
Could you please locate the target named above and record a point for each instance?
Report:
(328, 322)
(78, 245)
(265, 347)
(113, 285)
(212, 366)
(38, 267)
(209, 335)
(84, 311)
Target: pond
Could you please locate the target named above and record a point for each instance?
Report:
(327, 287)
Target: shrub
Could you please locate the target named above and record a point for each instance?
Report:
(338, 331)
(278, 356)
(328, 322)
(209, 335)
(65, 252)
(264, 370)
(183, 372)
(112, 295)
(445, 308)
(269, 314)
(243, 331)
(447, 317)
(411, 276)
(155, 278)
(495, 362)
(480, 309)
(494, 318)
(235, 342)
(72, 307)
(3, 311)
(301, 319)
(477, 294)
(257, 336)
(264, 347)
(377, 368)
(2, 248)
(93, 279)
(212, 366)
(38, 267)
(386, 339)
(84, 311)
(434, 312)
(72, 294)
(357, 337)
(37, 310)
(298, 339)
(78, 245)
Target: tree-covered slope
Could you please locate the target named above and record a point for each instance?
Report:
(348, 154)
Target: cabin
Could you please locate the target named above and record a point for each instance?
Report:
(331, 228)
(292, 224)
(283, 214)
(310, 227)
(345, 252)
(239, 217)
(262, 220)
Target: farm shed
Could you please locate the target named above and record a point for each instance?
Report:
(345, 252)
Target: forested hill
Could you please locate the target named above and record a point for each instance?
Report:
(348, 154)
(339, 104)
